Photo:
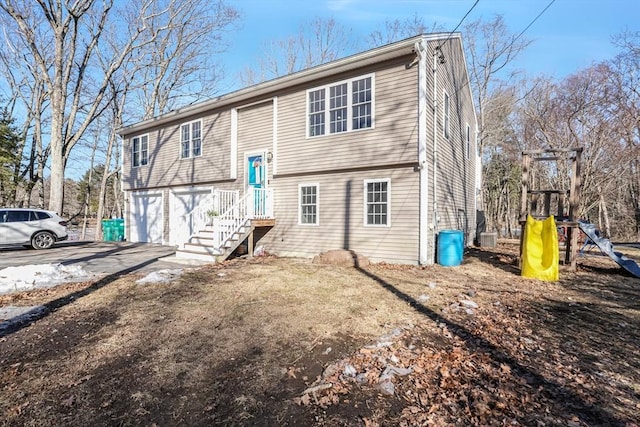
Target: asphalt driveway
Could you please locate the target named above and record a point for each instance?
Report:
(98, 257)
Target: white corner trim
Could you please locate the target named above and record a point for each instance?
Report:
(233, 169)
(274, 152)
(423, 106)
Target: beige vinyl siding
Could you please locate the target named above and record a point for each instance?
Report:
(455, 170)
(341, 217)
(392, 140)
(255, 135)
(165, 168)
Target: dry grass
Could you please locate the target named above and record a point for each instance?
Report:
(236, 343)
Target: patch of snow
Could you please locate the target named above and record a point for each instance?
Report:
(11, 316)
(30, 277)
(11, 311)
(161, 276)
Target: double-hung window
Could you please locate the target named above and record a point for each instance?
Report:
(377, 202)
(446, 113)
(341, 107)
(140, 150)
(191, 139)
(316, 112)
(338, 108)
(308, 212)
(362, 98)
(468, 141)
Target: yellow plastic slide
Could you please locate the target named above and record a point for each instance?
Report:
(540, 251)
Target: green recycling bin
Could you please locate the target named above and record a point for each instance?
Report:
(113, 230)
(118, 229)
(107, 230)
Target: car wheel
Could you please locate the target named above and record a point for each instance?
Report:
(42, 240)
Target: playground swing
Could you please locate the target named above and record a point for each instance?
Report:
(539, 246)
(553, 200)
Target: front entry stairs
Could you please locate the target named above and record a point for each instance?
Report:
(224, 221)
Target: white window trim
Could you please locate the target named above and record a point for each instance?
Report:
(467, 137)
(327, 114)
(139, 137)
(446, 115)
(369, 181)
(309, 184)
(190, 123)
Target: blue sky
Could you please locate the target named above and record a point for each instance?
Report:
(569, 36)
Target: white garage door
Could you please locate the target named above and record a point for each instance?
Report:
(181, 204)
(145, 222)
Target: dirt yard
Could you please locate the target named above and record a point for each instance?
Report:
(286, 342)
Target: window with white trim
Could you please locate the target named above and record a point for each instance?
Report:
(191, 139)
(345, 106)
(377, 202)
(316, 112)
(468, 141)
(140, 150)
(308, 208)
(446, 115)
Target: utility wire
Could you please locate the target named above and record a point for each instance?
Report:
(506, 47)
(526, 28)
(459, 23)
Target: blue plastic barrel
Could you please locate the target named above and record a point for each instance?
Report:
(450, 247)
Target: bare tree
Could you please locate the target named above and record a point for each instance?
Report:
(176, 66)
(317, 42)
(28, 102)
(62, 41)
(395, 30)
(577, 111)
(490, 50)
(625, 81)
(63, 38)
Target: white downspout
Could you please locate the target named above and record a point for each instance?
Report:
(423, 216)
(435, 142)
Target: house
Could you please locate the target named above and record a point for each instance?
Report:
(374, 153)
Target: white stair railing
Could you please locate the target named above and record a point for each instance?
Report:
(228, 213)
(229, 222)
(257, 203)
(196, 219)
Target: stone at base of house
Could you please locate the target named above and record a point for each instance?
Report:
(341, 257)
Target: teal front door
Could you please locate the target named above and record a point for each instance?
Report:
(256, 182)
(255, 171)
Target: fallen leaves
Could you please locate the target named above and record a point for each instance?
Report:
(491, 369)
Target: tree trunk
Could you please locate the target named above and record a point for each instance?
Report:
(103, 187)
(604, 215)
(56, 189)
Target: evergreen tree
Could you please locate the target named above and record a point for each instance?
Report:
(9, 157)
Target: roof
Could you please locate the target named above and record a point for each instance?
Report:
(390, 51)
